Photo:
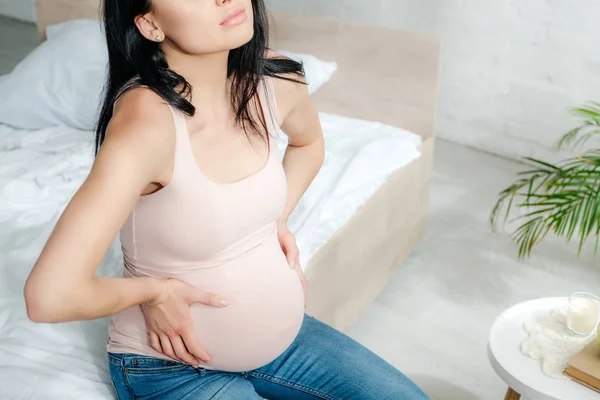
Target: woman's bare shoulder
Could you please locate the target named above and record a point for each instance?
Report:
(141, 114)
(290, 91)
(143, 123)
(141, 106)
(298, 80)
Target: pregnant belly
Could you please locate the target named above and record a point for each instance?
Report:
(264, 315)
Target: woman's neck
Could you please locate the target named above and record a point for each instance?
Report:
(207, 74)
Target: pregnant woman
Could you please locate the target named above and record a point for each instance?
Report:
(212, 302)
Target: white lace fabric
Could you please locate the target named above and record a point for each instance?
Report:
(551, 342)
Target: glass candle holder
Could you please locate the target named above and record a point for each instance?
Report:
(583, 313)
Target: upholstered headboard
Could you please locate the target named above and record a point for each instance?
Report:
(386, 75)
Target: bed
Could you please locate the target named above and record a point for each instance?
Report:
(379, 105)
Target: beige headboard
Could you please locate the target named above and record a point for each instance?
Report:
(386, 75)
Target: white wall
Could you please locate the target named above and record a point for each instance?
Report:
(19, 9)
(511, 68)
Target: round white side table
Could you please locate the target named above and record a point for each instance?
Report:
(523, 375)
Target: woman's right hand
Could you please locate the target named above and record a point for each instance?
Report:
(169, 325)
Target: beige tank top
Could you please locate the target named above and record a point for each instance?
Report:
(220, 238)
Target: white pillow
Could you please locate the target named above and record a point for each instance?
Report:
(60, 82)
(318, 72)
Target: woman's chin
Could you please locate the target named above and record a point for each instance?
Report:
(239, 39)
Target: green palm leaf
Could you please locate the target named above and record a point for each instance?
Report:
(589, 127)
(563, 199)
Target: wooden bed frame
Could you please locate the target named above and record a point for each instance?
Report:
(386, 75)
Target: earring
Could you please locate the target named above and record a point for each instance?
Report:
(159, 38)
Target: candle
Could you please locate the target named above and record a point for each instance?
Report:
(583, 313)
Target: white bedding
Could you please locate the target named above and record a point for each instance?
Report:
(39, 172)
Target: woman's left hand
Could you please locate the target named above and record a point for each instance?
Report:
(287, 241)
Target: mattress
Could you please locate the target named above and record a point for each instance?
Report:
(39, 172)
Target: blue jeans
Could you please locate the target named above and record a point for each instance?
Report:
(321, 363)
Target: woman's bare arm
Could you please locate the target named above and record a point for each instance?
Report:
(62, 285)
(306, 151)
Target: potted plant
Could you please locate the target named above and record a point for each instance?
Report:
(562, 199)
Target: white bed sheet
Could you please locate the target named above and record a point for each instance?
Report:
(39, 172)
